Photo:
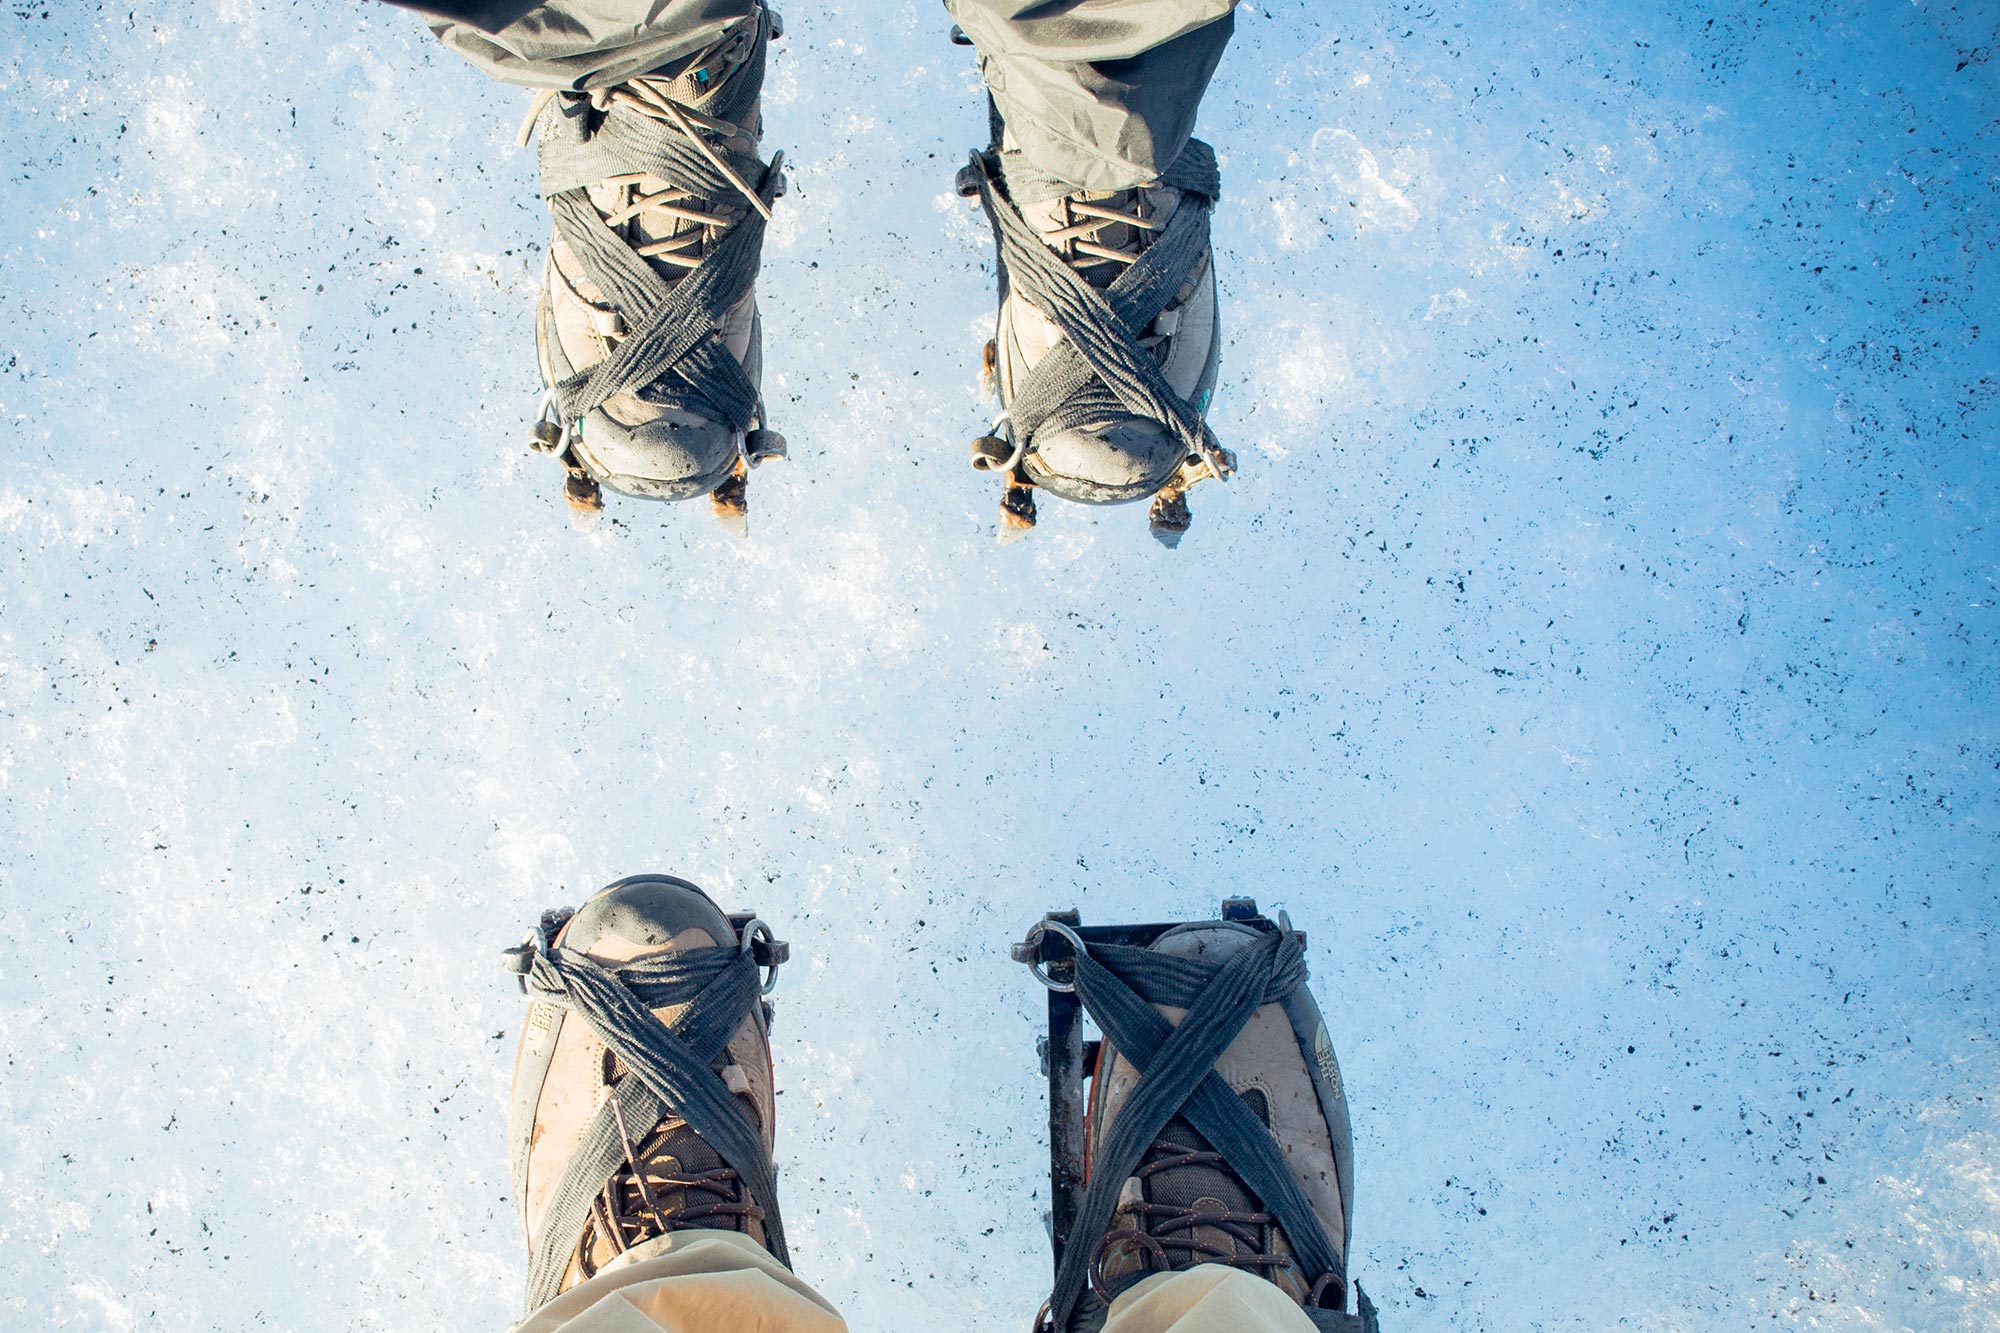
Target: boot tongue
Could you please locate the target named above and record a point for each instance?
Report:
(694, 81)
(1204, 1189)
(685, 1153)
(651, 226)
(696, 86)
(1054, 216)
(672, 1150)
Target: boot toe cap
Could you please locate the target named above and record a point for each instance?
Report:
(675, 456)
(1106, 463)
(647, 912)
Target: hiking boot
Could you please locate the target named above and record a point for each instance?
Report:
(1251, 1168)
(1184, 1205)
(648, 987)
(1118, 415)
(646, 327)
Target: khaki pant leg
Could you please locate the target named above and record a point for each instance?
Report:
(690, 1282)
(1211, 1298)
(1100, 94)
(581, 44)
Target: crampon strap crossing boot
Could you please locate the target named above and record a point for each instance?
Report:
(647, 327)
(1106, 346)
(643, 1100)
(1216, 1127)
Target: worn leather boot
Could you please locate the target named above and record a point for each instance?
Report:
(1107, 340)
(1185, 1203)
(647, 328)
(601, 1161)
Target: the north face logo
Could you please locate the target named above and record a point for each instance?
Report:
(1329, 1068)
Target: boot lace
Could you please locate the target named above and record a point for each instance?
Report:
(660, 204)
(1103, 236)
(1166, 1240)
(1089, 241)
(629, 1210)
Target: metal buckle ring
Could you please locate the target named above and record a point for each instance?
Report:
(1075, 941)
(754, 930)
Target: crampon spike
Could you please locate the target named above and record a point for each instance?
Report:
(1017, 512)
(1170, 517)
(586, 499)
(730, 501)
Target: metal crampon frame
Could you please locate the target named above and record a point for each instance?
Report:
(753, 937)
(1068, 1060)
(729, 501)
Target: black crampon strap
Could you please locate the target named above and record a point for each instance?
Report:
(1100, 370)
(669, 1067)
(1338, 1321)
(672, 352)
(1119, 986)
